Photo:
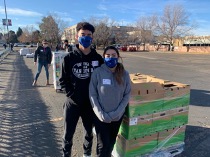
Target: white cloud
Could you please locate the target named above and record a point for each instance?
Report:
(102, 7)
(123, 22)
(61, 14)
(68, 19)
(100, 15)
(20, 12)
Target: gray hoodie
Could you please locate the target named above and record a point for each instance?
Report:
(108, 98)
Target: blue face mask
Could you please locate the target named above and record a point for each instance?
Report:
(111, 62)
(85, 41)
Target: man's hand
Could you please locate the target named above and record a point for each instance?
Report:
(34, 63)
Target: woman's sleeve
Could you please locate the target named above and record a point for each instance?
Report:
(93, 94)
(118, 113)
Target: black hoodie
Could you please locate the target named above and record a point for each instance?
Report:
(76, 72)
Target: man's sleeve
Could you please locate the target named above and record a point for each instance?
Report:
(50, 56)
(35, 55)
(65, 79)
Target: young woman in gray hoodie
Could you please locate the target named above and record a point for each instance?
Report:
(109, 92)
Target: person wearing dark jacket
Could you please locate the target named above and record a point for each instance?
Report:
(66, 46)
(44, 55)
(75, 76)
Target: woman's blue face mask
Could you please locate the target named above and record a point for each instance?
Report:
(85, 41)
(111, 62)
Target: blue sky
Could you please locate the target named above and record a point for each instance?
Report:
(30, 12)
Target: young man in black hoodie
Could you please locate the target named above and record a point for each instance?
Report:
(75, 77)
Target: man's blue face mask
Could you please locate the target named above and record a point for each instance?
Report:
(85, 41)
(111, 62)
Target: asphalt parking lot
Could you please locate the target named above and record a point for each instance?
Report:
(31, 118)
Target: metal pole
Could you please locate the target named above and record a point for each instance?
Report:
(6, 20)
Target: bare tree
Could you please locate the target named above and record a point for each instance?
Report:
(36, 36)
(2, 34)
(27, 34)
(103, 30)
(124, 34)
(145, 28)
(51, 28)
(23, 38)
(174, 23)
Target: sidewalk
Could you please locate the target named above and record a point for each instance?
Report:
(30, 117)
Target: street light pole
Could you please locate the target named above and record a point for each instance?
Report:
(6, 20)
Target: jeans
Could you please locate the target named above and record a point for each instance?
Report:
(39, 69)
(72, 112)
(106, 136)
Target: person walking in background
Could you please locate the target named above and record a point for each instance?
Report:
(58, 47)
(5, 45)
(11, 45)
(109, 93)
(66, 46)
(77, 68)
(44, 55)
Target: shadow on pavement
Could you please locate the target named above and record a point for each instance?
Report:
(25, 126)
(197, 138)
(200, 98)
(197, 141)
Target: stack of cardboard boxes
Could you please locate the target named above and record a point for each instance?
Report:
(155, 119)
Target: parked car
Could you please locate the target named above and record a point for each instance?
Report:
(118, 46)
(123, 48)
(1, 44)
(33, 45)
(19, 45)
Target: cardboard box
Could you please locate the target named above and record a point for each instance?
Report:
(135, 147)
(136, 108)
(135, 127)
(170, 137)
(146, 97)
(140, 86)
(175, 89)
(165, 141)
(150, 95)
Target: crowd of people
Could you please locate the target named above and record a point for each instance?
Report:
(97, 90)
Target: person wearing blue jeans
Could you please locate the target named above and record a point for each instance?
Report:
(44, 56)
(39, 69)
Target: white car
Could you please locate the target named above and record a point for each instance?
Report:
(33, 45)
(19, 45)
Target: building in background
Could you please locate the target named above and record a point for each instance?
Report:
(69, 34)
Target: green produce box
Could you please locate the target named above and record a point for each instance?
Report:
(164, 140)
(149, 124)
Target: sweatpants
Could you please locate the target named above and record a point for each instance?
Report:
(72, 112)
(106, 136)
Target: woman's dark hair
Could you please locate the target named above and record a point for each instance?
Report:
(119, 71)
(85, 26)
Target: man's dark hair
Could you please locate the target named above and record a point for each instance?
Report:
(85, 26)
(66, 41)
